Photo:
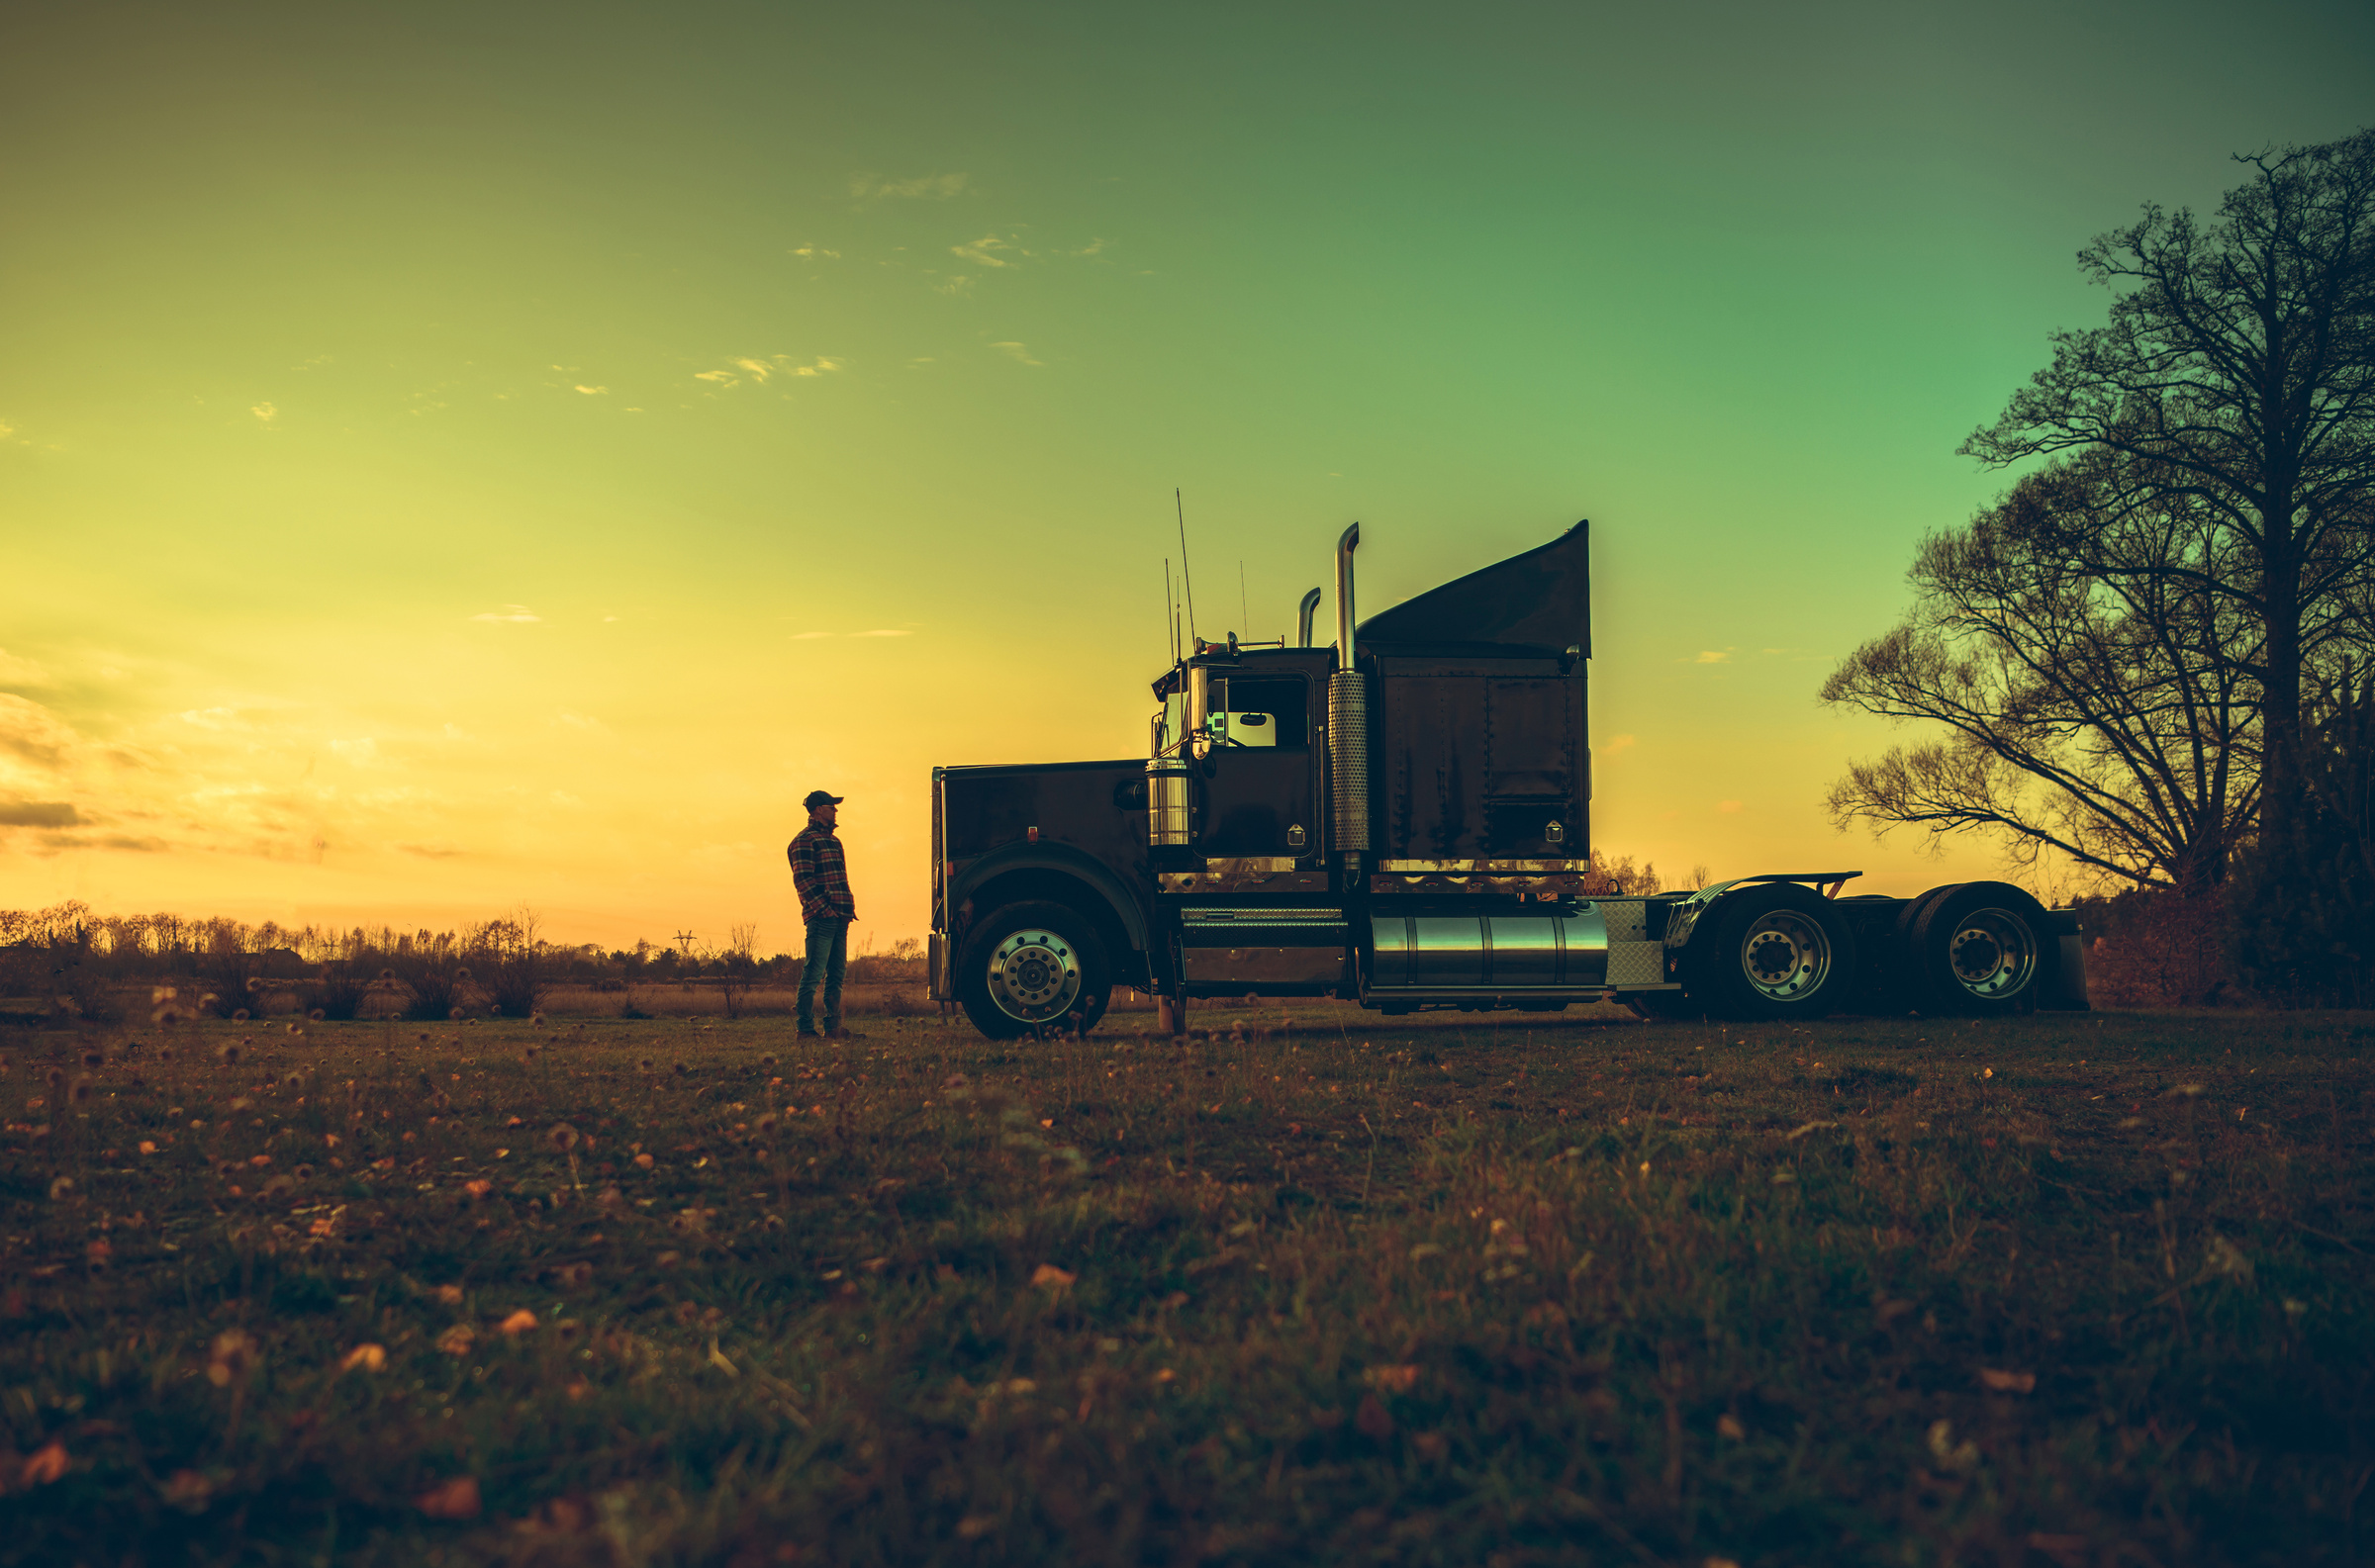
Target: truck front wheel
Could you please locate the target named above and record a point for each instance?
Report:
(1033, 965)
(1778, 950)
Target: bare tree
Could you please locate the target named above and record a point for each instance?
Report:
(2102, 705)
(2238, 371)
(738, 966)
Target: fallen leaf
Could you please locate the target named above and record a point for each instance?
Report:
(521, 1322)
(47, 1464)
(1390, 1379)
(454, 1498)
(478, 1189)
(365, 1358)
(2008, 1383)
(1731, 1427)
(1049, 1277)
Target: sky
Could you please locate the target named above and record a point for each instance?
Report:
(463, 457)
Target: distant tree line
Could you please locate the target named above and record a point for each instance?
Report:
(2153, 657)
(74, 963)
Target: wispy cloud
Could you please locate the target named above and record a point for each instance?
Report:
(1615, 744)
(362, 753)
(510, 612)
(578, 720)
(814, 252)
(882, 634)
(1711, 655)
(593, 392)
(39, 814)
(985, 251)
(808, 636)
(1018, 354)
(871, 187)
(758, 371)
(957, 283)
(266, 413)
(15, 671)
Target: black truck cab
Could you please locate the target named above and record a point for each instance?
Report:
(1403, 818)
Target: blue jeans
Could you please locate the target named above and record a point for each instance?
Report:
(827, 958)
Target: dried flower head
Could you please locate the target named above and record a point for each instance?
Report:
(536, 1019)
(209, 999)
(461, 972)
(303, 1173)
(56, 1078)
(162, 993)
(563, 1137)
(294, 1030)
(94, 1059)
(256, 982)
(643, 1064)
(228, 1054)
(239, 1016)
(768, 1061)
(387, 975)
(231, 1357)
(63, 1187)
(82, 1092)
(682, 1070)
(454, 1014)
(316, 1015)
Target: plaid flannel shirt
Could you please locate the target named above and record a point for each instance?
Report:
(822, 876)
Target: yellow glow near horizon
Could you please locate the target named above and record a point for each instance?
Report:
(457, 458)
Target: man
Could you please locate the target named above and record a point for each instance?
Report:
(823, 879)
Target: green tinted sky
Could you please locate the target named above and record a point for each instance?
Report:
(340, 341)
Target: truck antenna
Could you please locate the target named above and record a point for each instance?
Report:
(1244, 617)
(1171, 614)
(1187, 582)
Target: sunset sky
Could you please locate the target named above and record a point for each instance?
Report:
(459, 456)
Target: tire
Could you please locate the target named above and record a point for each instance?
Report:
(1031, 966)
(1667, 1007)
(1983, 948)
(1777, 950)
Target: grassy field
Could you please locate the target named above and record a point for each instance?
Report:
(2059, 1291)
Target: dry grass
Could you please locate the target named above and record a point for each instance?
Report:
(2074, 1291)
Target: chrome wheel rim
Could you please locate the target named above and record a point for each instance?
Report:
(1035, 975)
(1785, 956)
(1992, 953)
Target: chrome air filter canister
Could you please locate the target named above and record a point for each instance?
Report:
(1448, 954)
(1170, 802)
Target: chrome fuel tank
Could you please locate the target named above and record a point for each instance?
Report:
(1454, 954)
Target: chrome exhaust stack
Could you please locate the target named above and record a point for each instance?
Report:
(1348, 724)
(1309, 608)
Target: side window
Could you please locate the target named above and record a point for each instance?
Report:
(1262, 710)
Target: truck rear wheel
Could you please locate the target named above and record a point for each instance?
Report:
(1980, 949)
(1778, 950)
(1033, 965)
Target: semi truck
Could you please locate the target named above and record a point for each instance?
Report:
(1402, 819)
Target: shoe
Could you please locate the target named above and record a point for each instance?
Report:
(809, 1034)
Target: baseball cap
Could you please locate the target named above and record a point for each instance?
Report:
(817, 798)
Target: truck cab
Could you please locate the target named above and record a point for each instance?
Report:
(1403, 818)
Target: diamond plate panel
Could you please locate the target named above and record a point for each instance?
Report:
(1634, 962)
(1627, 920)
